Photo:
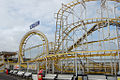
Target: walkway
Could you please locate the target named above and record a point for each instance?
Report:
(3, 76)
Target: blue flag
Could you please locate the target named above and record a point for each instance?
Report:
(34, 24)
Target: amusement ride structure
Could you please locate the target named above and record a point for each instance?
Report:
(87, 40)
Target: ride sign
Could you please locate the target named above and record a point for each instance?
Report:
(34, 24)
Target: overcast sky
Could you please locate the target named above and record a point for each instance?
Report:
(17, 15)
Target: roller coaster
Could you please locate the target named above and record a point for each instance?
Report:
(87, 40)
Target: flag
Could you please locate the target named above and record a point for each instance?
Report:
(34, 24)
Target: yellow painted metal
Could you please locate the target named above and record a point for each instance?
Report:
(1, 71)
(33, 47)
(97, 72)
(99, 41)
(36, 32)
(23, 65)
(118, 78)
(14, 63)
(59, 39)
(50, 43)
(68, 55)
(79, 77)
(88, 33)
(86, 21)
(53, 56)
(76, 2)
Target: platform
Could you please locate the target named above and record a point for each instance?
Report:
(3, 76)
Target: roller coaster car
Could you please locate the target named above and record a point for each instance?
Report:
(21, 73)
(28, 74)
(15, 72)
(11, 71)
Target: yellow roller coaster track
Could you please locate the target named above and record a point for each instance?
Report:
(63, 32)
(46, 57)
(87, 21)
(23, 41)
(60, 56)
(60, 15)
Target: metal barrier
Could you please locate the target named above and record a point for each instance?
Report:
(111, 78)
(64, 77)
(34, 77)
(97, 77)
(50, 76)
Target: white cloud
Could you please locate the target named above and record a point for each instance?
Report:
(17, 15)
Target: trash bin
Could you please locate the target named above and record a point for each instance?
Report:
(6, 71)
(40, 74)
